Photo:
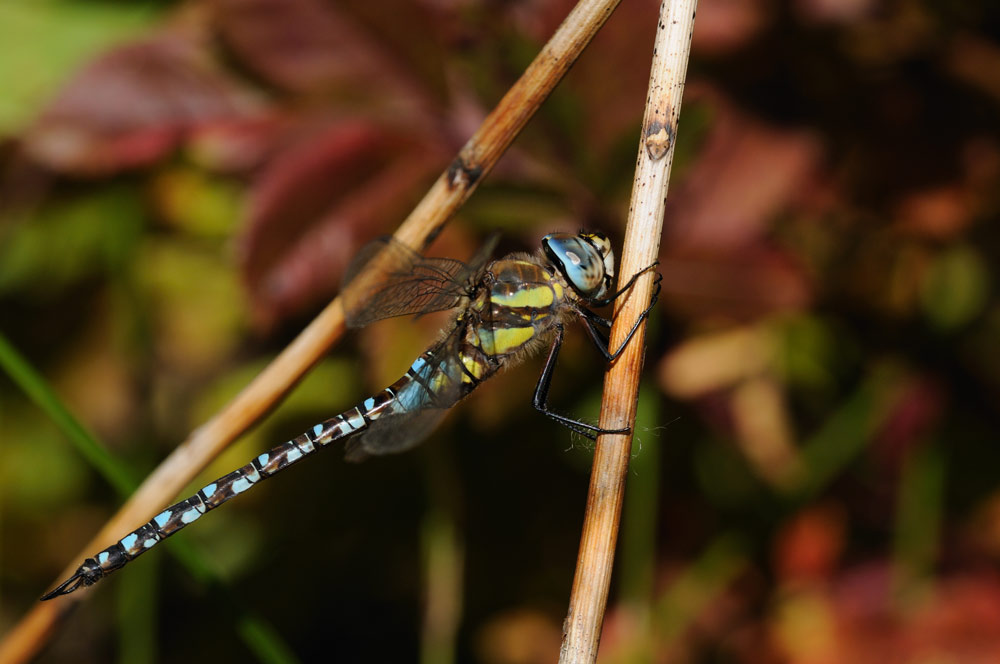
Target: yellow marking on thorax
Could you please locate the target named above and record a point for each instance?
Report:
(538, 297)
(505, 339)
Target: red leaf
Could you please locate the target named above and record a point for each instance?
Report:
(724, 26)
(809, 545)
(131, 106)
(745, 175)
(318, 202)
(915, 411)
(310, 47)
(739, 284)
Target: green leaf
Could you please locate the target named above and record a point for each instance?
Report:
(956, 287)
(44, 40)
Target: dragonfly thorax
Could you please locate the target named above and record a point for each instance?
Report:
(586, 260)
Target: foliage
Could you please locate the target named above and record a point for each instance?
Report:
(183, 184)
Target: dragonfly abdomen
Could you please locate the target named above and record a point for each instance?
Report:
(422, 386)
(212, 495)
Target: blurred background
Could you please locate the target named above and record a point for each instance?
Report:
(816, 471)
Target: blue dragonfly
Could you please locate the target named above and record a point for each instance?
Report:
(507, 309)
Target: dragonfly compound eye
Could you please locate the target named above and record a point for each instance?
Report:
(583, 260)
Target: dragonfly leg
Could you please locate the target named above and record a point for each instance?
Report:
(604, 301)
(591, 320)
(540, 401)
(600, 342)
(595, 318)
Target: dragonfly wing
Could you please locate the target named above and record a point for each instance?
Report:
(433, 384)
(394, 433)
(407, 283)
(473, 270)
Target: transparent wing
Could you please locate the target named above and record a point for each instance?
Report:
(394, 433)
(419, 404)
(407, 283)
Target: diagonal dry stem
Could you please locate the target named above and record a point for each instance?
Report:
(582, 628)
(445, 196)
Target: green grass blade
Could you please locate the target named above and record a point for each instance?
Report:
(843, 437)
(262, 639)
(137, 609)
(920, 506)
(38, 390)
(701, 583)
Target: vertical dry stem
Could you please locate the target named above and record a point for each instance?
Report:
(446, 195)
(642, 240)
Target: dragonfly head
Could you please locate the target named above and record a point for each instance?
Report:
(584, 259)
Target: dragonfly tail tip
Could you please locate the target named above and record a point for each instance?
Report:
(66, 587)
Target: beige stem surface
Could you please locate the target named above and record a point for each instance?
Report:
(582, 629)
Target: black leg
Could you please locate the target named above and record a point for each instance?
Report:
(597, 319)
(590, 320)
(604, 301)
(540, 401)
(600, 342)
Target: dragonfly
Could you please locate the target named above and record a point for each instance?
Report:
(507, 309)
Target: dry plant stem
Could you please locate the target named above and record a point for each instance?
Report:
(621, 385)
(446, 195)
